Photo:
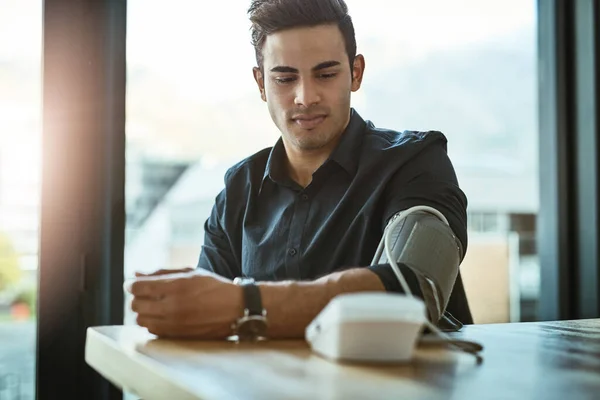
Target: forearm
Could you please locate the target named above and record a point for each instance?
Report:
(292, 305)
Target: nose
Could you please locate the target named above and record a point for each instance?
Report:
(307, 93)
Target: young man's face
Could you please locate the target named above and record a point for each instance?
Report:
(307, 84)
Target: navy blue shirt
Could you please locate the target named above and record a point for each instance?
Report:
(266, 226)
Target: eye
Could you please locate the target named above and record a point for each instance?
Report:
(284, 79)
(329, 75)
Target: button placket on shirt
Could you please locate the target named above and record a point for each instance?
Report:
(292, 261)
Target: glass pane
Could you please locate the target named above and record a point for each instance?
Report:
(468, 69)
(20, 150)
(183, 117)
(464, 67)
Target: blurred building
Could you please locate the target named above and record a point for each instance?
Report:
(148, 180)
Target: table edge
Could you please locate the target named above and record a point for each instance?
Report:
(98, 345)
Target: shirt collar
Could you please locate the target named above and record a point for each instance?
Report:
(275, 163)
(346, 154)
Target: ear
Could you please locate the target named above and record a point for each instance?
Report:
(358, 69)
(260, 81)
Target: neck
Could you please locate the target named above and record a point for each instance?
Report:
(301, 164)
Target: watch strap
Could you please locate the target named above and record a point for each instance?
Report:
(252, 297)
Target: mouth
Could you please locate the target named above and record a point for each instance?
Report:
(309, 121)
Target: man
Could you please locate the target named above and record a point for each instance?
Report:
(305, 217)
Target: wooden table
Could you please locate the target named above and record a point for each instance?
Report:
(549, 360)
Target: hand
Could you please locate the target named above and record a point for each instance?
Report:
(195, 304)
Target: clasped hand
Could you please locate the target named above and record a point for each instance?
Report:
(186, 303)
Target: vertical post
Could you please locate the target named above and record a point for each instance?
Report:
(83, 208)
(586, 60)
(568, 233)
(555, 228)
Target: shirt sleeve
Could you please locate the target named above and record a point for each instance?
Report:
(429, 179)
(217, 254)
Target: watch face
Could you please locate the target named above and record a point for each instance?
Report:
(252, 327)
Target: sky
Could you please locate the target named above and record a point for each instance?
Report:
(428, 23)
(174, 38)
(199, 41)
(205, 55)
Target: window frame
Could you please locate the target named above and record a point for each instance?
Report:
(568, 231)
(83, 201)
(83, 185)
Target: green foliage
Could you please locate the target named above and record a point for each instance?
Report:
(10, 273)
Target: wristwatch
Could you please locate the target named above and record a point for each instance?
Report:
(252, 326)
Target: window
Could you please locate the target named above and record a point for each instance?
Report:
(20, 147)
(466, 68)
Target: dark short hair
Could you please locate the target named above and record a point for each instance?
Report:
(269, 16)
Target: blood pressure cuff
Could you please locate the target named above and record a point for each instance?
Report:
(428, 247)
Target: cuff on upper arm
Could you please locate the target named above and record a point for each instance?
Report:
(390, 281)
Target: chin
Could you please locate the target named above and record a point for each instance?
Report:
(313, 143)
(308, 139)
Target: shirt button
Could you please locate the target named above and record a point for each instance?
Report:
(292, 252)
(304, 197)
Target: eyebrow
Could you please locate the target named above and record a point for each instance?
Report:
(318, 67)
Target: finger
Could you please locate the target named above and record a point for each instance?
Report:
(158, 326)
(164, 271)
(151, 287)
(148, 308)
(169, 329)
